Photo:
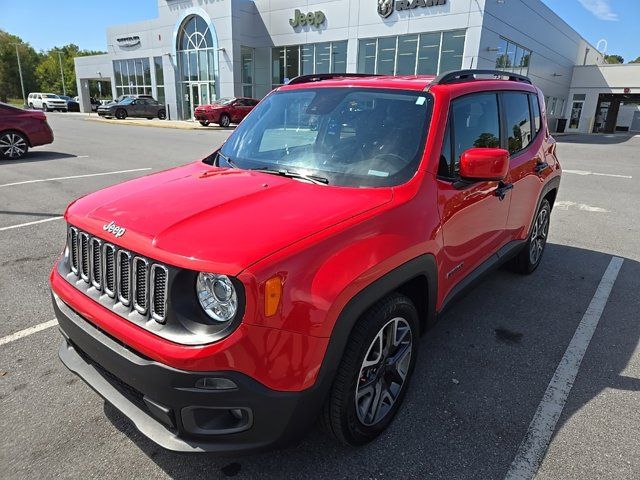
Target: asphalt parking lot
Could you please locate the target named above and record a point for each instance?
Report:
(481, 375)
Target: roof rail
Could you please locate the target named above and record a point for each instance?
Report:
(318, 77)
(468, 75)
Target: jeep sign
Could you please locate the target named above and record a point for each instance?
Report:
(313, 19)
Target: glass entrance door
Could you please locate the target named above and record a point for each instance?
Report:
(199, 94)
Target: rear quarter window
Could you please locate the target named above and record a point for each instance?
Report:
(517, 117)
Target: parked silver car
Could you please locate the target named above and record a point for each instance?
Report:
(145, 107)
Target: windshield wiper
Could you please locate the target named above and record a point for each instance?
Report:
(231, 163)
(291, 174)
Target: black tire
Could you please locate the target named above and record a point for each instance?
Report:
(149, 118)
(224, 120)
(343, 417)
(31, 105)
(530, 256)
(204, 123)
(121, 114)
(45, 107)
(13, 145)
(162, 114)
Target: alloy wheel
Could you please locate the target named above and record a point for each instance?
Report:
(539, 236)
(383, 371)
(13, 145)
(225, 121)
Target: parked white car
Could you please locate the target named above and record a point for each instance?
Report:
(46, 102)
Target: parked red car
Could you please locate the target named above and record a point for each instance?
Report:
(227, 304)
(225, 111)
(21, 129)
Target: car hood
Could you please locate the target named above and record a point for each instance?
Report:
(219, 220)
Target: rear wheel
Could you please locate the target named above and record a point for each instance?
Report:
(225, 120)
(530, 256)
(13, 145)
(204, 123)
(121, 114)
(162, 114)
(374, 373)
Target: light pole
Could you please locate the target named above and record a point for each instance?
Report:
(24, 98)
(64, 90)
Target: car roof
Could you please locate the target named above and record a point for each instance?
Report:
(402, 82)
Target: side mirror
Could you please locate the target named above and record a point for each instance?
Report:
(484, 164)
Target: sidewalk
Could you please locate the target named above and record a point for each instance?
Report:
(179, 124)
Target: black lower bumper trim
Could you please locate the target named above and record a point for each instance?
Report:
(164, 405)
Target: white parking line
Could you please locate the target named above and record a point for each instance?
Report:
(535, 442)
(28, 331)
(587, 172)
(567, 204)
(75, 176)
(11, 227)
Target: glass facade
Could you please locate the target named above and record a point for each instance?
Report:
(512, 57)
(246, 61)
(159, 73)
(416, 54)
(132, 76)
(196, 58)
(290, 61)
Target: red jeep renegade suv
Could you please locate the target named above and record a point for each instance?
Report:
(225, 305)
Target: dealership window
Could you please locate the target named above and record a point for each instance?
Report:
(576, 110)
(512, 57)
(246, 60)
(290, 61)
(132, 76)
(159, 72)
(196, 58)
(424, 54)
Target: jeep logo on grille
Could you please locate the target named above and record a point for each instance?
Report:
(115, 229)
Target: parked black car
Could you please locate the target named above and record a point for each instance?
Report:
(72, 105)
(145, 107)
(94, 103)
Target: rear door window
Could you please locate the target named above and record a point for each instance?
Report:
(535, 112)
(517, 117)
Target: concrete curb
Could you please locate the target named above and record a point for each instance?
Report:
(180, 125)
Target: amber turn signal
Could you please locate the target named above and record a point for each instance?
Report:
(272, 294)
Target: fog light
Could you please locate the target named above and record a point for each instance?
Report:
(215, 383)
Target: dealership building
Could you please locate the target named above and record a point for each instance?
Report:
(196, 51)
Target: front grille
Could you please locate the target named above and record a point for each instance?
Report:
(136, 282)
(140, 285)
(96, 263)
(109, 269)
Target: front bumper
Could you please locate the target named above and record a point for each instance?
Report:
(167, 406)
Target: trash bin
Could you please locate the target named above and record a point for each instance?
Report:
(561, 125)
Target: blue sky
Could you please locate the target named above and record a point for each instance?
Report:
(84, 22)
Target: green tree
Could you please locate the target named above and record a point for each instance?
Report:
(637, 60)
(9, 75)
(48, 70)
(613, 59)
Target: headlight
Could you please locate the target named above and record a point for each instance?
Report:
(217, 296)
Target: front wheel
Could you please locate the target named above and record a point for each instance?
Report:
(530, 256)
(121, 114)
(204, 123)
(225, 120)
(374, 373)
(162, 115)
(13, 145)
(45, 107)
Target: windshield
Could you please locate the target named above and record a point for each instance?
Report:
(223, 101)
(49, 95)
(126, 101)
(350, 136)
(64, 97)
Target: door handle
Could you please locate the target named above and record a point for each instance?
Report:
(541, 166)
(502, 190)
